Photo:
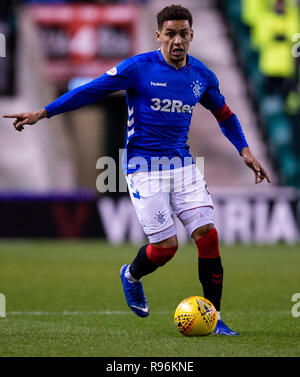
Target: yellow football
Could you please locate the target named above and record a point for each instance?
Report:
(195, 316)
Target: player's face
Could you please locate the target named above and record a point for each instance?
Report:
(175, 37)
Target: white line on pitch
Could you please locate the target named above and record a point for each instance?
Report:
(65, 312)
(122, 312)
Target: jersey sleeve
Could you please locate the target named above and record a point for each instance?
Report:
(212, 98)
(229, 124)
(121, 77)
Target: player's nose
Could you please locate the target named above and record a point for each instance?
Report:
(177, 40)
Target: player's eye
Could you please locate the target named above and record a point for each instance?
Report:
(170, 34)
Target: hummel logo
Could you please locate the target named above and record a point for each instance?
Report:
(216, 278)
(158, 83)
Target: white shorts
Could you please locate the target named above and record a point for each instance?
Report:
(158, 195)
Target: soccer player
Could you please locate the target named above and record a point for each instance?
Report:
(162, 89)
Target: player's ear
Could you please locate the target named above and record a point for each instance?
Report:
(192, 34)
(157, 34)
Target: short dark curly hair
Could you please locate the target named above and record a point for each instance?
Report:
(173, 12)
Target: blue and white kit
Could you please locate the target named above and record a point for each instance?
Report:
(160, 101)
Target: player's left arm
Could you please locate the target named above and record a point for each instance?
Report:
(214, 101)
(259, 171)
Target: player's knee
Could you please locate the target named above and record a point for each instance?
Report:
(202, 231)
(208, 244)
(160, 255)
(197, 221)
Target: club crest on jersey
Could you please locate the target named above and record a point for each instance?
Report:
(112, 72)
(197, 88)
(160, 217)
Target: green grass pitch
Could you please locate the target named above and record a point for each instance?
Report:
(66, 299)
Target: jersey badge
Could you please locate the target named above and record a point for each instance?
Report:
(197, 88)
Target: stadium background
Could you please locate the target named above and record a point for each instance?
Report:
(48, 173)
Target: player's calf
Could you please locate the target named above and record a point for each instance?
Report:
(149, 258)
(160, 255)
(210, 268)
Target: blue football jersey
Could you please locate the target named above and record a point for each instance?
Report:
(160, 100)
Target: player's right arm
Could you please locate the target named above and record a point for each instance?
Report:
(26, 118)
(121, 77)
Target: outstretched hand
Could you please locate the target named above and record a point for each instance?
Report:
(252, 163)
(26, 118)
